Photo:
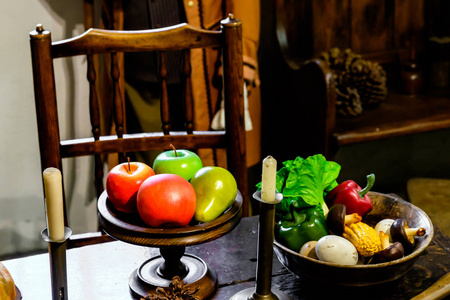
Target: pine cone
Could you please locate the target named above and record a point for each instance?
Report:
(359, 83)
(348, 102)
(339, 61)
(177, 290)
(369, 79)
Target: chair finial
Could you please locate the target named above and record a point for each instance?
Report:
(231, 21)
(39, 28)
(39, 33)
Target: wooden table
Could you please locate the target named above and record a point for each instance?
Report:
(102, 271)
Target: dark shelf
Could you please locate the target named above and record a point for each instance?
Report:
(398, 115)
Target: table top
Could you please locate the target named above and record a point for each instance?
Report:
(102, 271)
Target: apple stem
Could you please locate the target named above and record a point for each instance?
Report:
(174, 149)
(129, 165)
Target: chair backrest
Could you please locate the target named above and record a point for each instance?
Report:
(319, 111)
(96, 41)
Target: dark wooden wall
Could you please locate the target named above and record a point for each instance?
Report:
(371, 27)
(293, 31)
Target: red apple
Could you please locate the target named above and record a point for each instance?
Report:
(166, 200)
(123, 182)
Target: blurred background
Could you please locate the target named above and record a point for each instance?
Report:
(380, 30)
(22, 214)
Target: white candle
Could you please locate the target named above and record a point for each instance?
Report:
(268, 184)
(54, 203)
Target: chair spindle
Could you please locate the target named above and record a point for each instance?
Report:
(94, 113)
(189, 104)
(119, 107)
(165, 114)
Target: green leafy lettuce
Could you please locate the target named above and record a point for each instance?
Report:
(305, 182)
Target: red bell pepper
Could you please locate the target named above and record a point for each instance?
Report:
(352, 196)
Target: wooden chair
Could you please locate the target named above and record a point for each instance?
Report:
(319, 109)
(96, 41)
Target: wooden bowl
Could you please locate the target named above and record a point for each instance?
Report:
(131, 229)
(384, 206)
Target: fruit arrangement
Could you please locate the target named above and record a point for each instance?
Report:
(175, 192)
(324, 220)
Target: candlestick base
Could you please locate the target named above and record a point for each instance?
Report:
(58, 268)
(251, 294)
(263, 288)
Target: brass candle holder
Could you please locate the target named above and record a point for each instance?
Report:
(58, 267)
(263, 287)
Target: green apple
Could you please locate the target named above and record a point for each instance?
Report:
(216, 190)
(184, 163)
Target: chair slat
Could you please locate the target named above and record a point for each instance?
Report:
(142, 142)
(178, 37)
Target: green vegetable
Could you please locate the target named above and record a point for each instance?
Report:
(307, 224)
(305, 181)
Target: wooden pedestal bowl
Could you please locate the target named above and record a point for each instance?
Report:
(384, 206)
(158, 271)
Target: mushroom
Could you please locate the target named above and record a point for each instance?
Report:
(337, 219)
(384, 225)
(390, 252)
(309, 249)
(336, 249)
(400, 232)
